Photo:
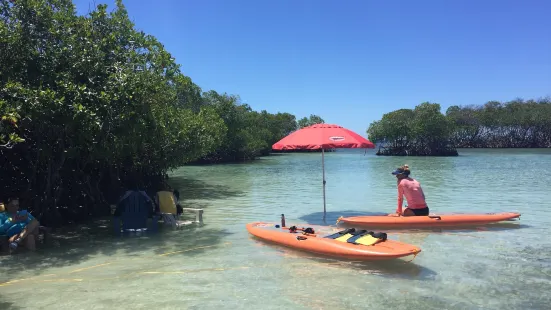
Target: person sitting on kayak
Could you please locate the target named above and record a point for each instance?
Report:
(414, 194)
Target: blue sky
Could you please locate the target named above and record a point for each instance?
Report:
(352, 61)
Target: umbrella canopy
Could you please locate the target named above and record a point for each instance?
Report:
(322, 136)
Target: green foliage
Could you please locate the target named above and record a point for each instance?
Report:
(513, 124)
(421, 131)
(425, 130)
(88, 103)
(394, 126)
(249, 133)
(312, 120)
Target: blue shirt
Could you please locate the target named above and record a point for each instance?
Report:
(6, 222)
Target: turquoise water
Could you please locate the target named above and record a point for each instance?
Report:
(218, 265)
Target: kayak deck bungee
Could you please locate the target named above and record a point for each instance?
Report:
(349, 243)
(443, 220)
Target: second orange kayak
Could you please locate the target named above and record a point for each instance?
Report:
(350, 243)
(449, 220)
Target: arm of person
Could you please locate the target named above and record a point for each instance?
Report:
(32, 219)
(400, 199)
(5, 223)
(28, 218)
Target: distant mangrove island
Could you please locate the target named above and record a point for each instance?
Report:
(425, 131)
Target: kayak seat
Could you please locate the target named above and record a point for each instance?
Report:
(368, 238)
(340, 233)
(345, 237)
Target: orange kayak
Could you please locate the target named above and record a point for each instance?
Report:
(449, 220)
(349, 243)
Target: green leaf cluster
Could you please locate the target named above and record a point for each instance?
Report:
(423, 130)
(309, 121)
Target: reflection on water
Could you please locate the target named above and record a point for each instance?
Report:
(219, 265)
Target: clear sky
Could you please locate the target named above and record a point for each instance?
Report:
(351, 61)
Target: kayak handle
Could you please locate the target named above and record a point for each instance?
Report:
(301, 238)
(435, 217)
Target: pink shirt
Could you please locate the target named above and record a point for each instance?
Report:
(413, 192)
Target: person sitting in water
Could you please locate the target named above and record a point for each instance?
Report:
(414, 194)
(179, 208)
(19, 225)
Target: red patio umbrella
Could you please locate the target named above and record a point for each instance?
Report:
(322, 136)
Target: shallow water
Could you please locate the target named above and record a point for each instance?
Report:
(218, 265)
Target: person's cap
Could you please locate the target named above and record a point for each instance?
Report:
(398, 171)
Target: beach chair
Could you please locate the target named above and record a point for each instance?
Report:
(167, 202)
(135, 208)
(172, 220)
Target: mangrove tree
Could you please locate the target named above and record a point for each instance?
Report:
(88, 103)
(423, 131)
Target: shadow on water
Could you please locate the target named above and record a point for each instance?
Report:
(4, 305)
(77, 244)
(331, 217)
(192, 189)
(489, 227)
(396, 268)
(391, 268)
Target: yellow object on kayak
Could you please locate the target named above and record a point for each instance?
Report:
(344, 237)
(367, 240)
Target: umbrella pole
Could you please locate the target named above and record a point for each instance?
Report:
(323, 170)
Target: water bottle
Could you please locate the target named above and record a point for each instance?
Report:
(14, 244)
